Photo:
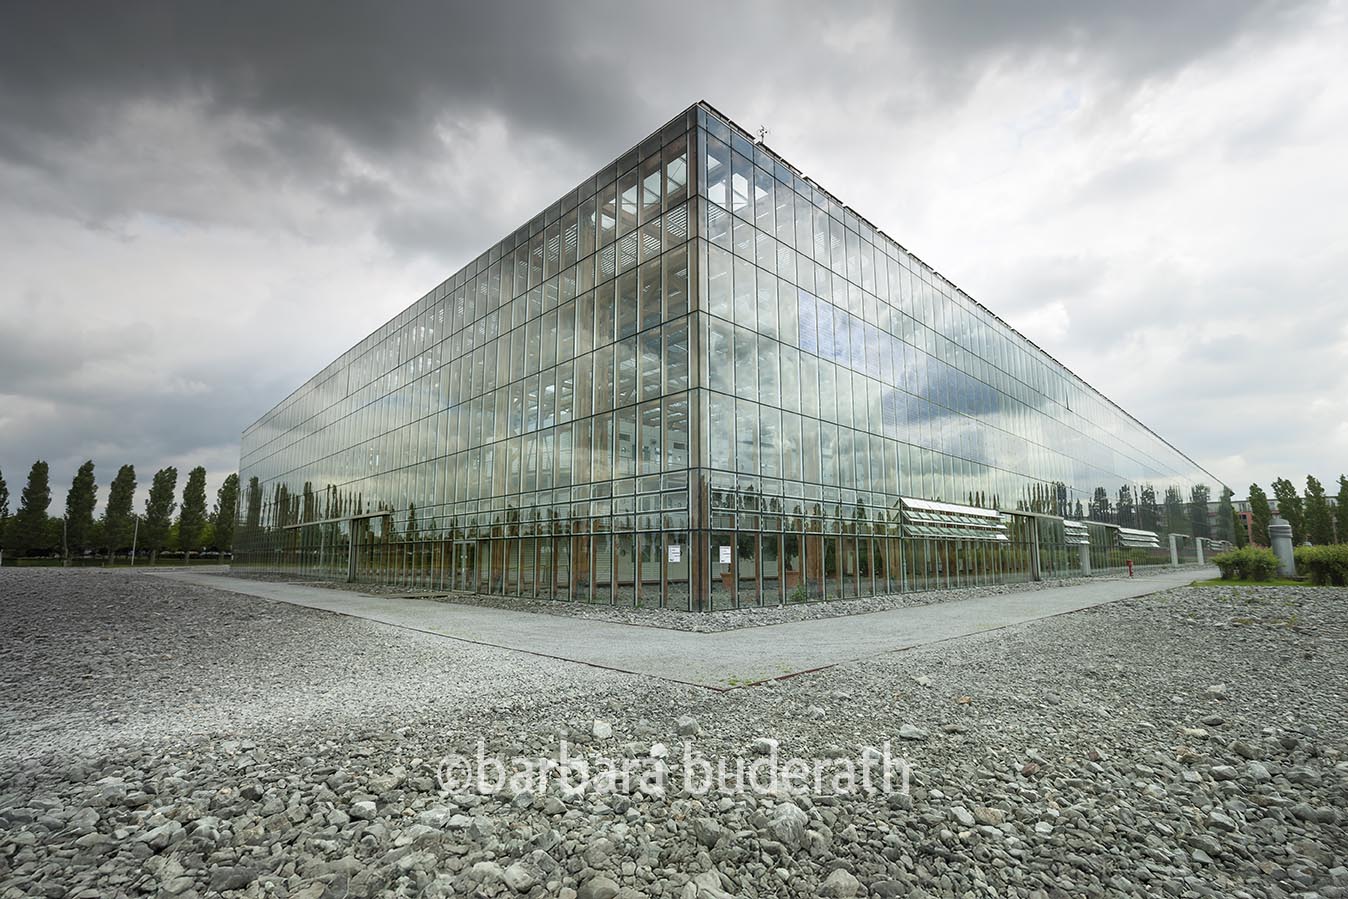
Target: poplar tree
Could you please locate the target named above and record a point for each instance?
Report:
(222, 517)
(117, 517)
(4, 511)
(1100, 505)
(1340, 511)
(159, 508)
(1226, 514)
(193, 517)
(1261, 513)
(1289, 507)
(1238, 529)
(30, 522)
(1175, 520)
(80, 502)
(1124, 510)
(1319, 522)
(1198, 511)
(1148, 512)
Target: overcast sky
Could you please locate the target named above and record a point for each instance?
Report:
(202, 204)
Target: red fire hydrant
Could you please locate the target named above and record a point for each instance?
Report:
(1130, 567)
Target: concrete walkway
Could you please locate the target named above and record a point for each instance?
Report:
(720, 660)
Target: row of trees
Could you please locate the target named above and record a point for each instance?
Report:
(1309, 513)
(1170, 513)
(32, 531)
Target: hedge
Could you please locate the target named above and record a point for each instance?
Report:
(1252, 563)
(1324, 565)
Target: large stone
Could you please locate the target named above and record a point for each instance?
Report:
(231, 878)
(708, 886)
(788, 825)
(911, 732)
(518, 878)
(764, 746)
(487, 872)
(840, 885)
(598, 887)
(707, 831)
(163, 836)
(990, 817)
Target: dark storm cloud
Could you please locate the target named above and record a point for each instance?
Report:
(380, 77)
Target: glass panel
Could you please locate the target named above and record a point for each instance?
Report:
(746, 364)
(678, 565)
(624, 593)
(627, 372)
(747, 570)
(717, 172)
(651, 187)
(603, 379)
(675, 264)
(770, 569)
(676, 356)
(676, 171)
(649, 460)
(719, 295)
(581, 572)
(720, 553)
(816, 569)
(745, 294)
(650, 364)
(721, 440)
(651, 298)
(650, 559)
(768, 391)
(676, 432)
(603, 569)
(627, 304)
(746, 432)
(769, 442)
(627, 202)
(793, 581)
(626, 442)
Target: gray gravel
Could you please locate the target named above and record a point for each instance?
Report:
(161, 739)
(714, 622)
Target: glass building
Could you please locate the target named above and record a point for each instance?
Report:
(700, 381)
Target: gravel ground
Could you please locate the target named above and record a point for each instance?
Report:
(710, 622)
(161, 739)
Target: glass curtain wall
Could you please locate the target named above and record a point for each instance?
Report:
(523, 429)
(841, 373)
(696, 380)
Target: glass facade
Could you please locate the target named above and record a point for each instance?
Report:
(699, 381)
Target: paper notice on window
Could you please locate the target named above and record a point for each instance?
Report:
(725, 555)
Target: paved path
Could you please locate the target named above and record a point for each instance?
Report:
(717, 660)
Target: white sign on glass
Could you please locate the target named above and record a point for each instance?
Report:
(725, 555)
(675, 553)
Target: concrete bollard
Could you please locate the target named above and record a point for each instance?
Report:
(1085, 559)
(1174, 550)
(1280, 535)
(1198, 544)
